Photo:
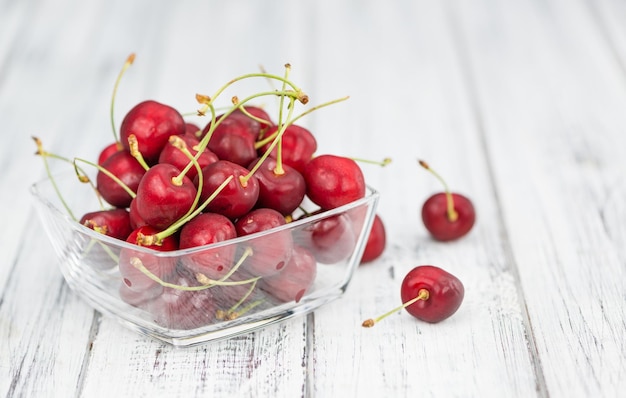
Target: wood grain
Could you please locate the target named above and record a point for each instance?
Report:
(519, 105)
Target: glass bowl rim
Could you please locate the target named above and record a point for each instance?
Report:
(370, 194)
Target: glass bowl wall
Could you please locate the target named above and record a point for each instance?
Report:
(191, 296)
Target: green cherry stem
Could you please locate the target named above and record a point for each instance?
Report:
(156, 239)
(452, 214)
(383, 163)
(108, 174)
(127, 64)
(422, 294)
(134, 151)
(137, 263)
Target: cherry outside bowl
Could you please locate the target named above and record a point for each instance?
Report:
(180, 310)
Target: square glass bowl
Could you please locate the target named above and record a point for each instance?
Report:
(192, 296)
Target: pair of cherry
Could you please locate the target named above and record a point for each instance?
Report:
(430, 293)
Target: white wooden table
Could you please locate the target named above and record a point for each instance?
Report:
(521, 105)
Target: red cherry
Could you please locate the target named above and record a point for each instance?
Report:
(282, 191)
(256, 128)
(135, 219)
(163, 197)
(236, 198)
(111, 222)
(134, 265)
(295, 280)
(333, 181)
(440, 224)
(331, 239)
(192, 129)
(108, 151)
(128, 170)
(270, 253)
(429, 294)
(152, 123)
(177, 308)
(376, 241)
(232, 141)
(447, 216)
(298, 146)
(175, 156)
(445, 293)
(205, 229)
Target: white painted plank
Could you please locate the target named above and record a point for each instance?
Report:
(412, 103)
(556, 161)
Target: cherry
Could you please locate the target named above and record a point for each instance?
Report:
(333, 181)
(231, 140)
(295, 280)
(110, 222)
(135, 265)
(175, 156)
(205, 229)
(376, 241)
(108, 151)
(258, 128)
(330, 239)
(447, 216)
(182, 309)
(237, 197)
(152, 123)
(429, 294)
(164, 196)
(128, 170)
(192, 129)
(136, 220)
(280, 189)
(298, 146)
(271, 252)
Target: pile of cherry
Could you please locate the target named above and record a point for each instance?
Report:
(174, 185)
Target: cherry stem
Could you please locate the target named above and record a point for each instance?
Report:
(134, 151)
(271, 137)
(298, 93)
(452, 213)
(44, 156)
(383, 163)
(234, 315)
(422, 294)
(206, 283)
(275, 141)
(156, 239)
(127, 64)
(230, 313)
(108, 174)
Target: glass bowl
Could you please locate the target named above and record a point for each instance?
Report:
(192, 296)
